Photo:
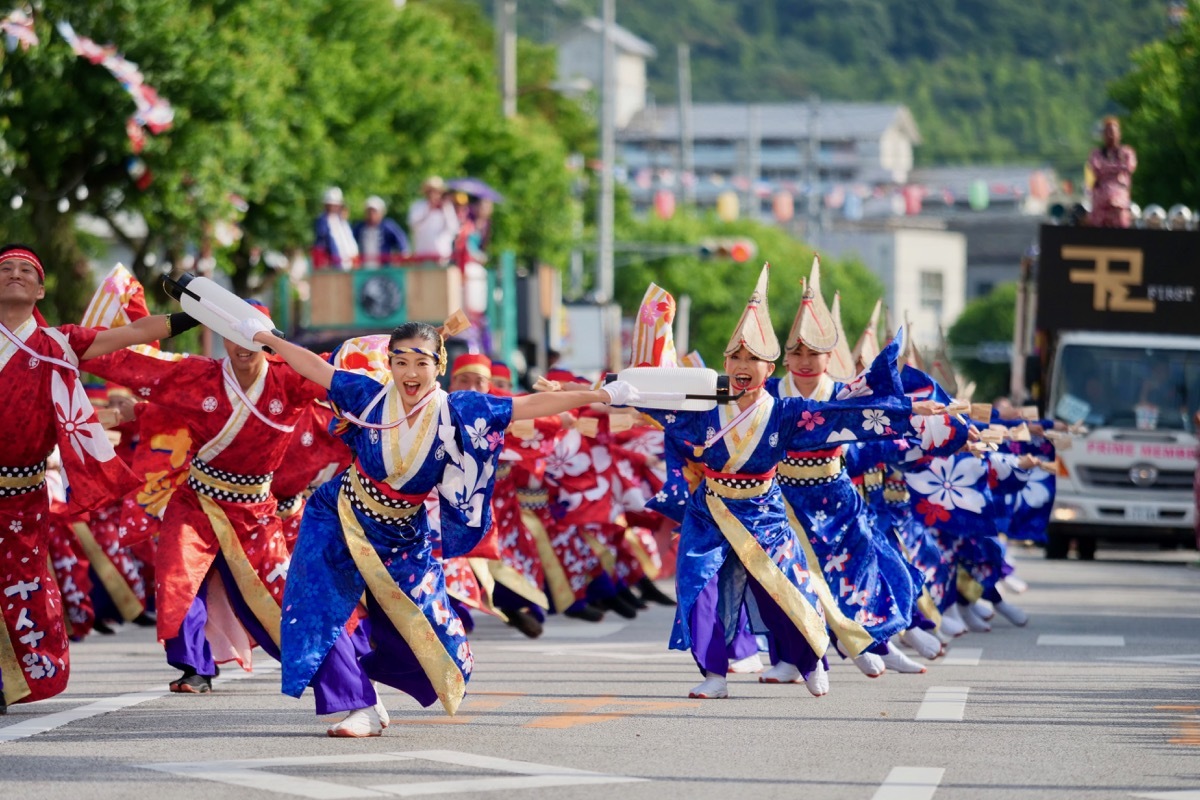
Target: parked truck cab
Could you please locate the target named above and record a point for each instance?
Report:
(1118, 334)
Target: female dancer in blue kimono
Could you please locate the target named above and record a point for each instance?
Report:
(866, 588)
(738, 508)
(889, 502)
(366, 529)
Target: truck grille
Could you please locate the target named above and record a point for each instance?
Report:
(1169, 480)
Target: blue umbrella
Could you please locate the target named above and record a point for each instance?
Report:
(475, 188)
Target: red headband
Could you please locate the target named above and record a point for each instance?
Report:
(24, 255)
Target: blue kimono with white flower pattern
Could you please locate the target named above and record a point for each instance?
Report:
(872, 584)
(791, 424)
(456, 456)
(932, 436)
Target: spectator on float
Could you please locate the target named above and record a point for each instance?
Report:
(1113, 165)
(481, 215)
(334, 246)
(432, 221)
(381, 240)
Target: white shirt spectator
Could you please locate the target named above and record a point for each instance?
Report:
(433, 228)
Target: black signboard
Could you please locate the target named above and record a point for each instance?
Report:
(1107, 279)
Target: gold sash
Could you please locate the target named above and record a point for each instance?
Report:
(853, 636)
(767, 572)
(403, 613)
(929, 608)
(517, 583)
(608, 559)
(556, 577)
(253, 590)
(15, 685)
(113, 581)
(639, 552)
(22, 481)
(968, 588)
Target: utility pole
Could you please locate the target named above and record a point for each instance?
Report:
(608, 152)
(505, 13)
(687, 155)
(683, 324)
(812, 173)
(753, 158)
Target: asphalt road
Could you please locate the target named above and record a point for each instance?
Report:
(1098, 697)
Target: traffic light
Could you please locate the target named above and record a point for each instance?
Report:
(737, 250)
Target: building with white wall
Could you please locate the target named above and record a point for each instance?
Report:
(579, 55)
(924, 273)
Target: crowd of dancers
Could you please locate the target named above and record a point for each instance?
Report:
(349, 517)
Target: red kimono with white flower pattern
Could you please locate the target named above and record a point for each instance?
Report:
(314, 456)
(236, 446)
(48, 407)
(69, 563)
(520, 567)
(639, 473)
(550, 496)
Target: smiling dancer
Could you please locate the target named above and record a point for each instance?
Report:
(737, 544)
(367, 531)
(39, 379)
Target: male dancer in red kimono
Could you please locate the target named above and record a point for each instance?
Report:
(222, 558)
(40, 387)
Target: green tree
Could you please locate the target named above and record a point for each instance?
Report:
(985, 320)
(719, 288)
(274, 102)
(1161, 97)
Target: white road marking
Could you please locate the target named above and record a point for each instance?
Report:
(49, 722)
(530, 775)
(962, 657)
(944, 703)
(570, 629)
(910, 783)
(251, 773)
(1182, 794)
(1180, 660)
(1080, 640)
(647, 652)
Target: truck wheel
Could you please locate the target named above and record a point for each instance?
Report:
(1086, 547)
(1057, 546)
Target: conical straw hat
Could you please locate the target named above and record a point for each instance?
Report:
(814, 324)
(867, 346)
(911, 354)
(941, 369)
(754, 330)
(841, 362)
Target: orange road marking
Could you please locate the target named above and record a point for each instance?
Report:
(581, 711)
(1187, 729)
(472, 703)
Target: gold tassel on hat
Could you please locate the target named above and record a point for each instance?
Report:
(754, 330)
(813, 326)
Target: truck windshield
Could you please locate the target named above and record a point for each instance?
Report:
(1127, 387)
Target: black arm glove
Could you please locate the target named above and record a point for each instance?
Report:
(179, 322)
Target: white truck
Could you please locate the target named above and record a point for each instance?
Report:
(1118, 329)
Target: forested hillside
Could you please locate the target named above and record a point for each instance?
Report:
(988, 80)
